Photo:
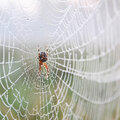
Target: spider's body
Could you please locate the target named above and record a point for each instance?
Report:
(43, 56)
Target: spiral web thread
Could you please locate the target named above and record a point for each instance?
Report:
(84, 64)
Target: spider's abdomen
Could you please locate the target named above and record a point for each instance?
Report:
(43, 56)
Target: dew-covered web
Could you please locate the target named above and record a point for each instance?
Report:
(84, 60)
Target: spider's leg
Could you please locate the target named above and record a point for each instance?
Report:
(45, 65)
(47, 52)
(39, 68)
(38, 48)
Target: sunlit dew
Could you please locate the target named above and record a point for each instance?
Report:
(31, 7)
(83, 3)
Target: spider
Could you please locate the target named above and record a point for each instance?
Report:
(43, 57)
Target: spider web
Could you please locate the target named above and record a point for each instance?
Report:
(84, 62)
